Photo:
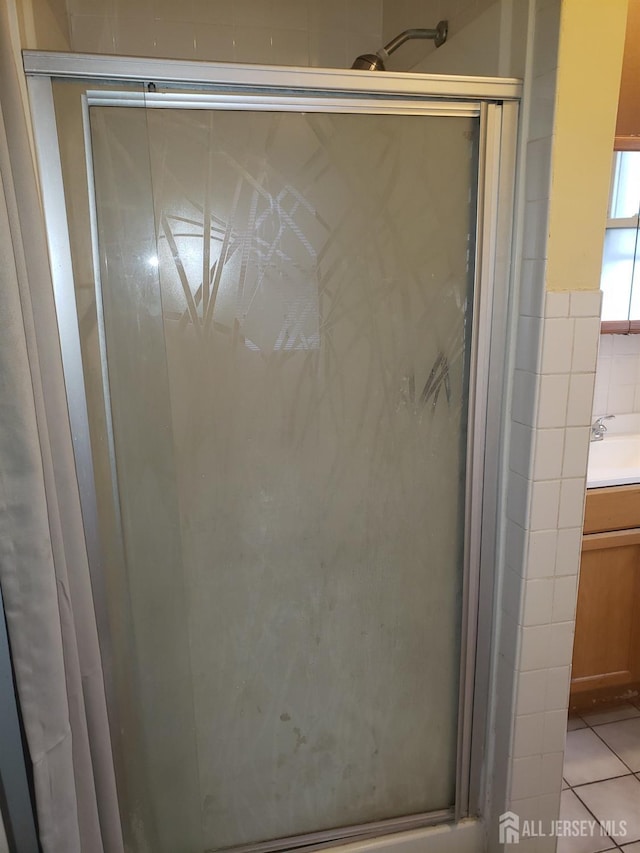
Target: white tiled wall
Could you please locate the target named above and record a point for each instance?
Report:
(555, 357)
(400, 15)
(329, 33)
(617, 376)
(552, 393)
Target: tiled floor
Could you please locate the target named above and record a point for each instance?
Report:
(602, 778)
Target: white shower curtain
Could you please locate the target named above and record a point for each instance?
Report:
(43, 564)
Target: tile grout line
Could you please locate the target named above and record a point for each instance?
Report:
(615, 843)
(633, 773)
(613, 750)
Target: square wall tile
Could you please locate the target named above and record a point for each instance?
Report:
(621, 399)
(572, 497)
(568, 551)
(328, 48)
(291, 14)
(531, 692)
(550, 804)
(541, 559)
(328, 15)
(545, 501)
(90, 7)
(579, 405)
(600, 398)
(556, 304)
(253, 45)
(175, 39)
(565, 595)
(553, 399)
(527, 736)
(623, 369)
(541, 111)
(526, 775)
(552, 772)
(586, 336)
(557, 345)
(604, 367)
(576, 451)
(215, 43)
(606, 345)
(586, 303)
(625, 344)
(535, 650)
(557, 688)
(290, 47)
(248, 13)
(549, 451)
(561, 648)
(547, 34)
(92, 34)
(364, 16)
(538, 601)
(134, 37)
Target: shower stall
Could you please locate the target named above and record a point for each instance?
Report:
(281, 298)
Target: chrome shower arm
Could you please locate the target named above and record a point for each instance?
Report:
(375, 61)
(439, 36)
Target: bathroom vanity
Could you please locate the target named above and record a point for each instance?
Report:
(606, 652)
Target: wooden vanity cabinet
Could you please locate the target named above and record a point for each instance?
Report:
(628, 124)
(606, 652)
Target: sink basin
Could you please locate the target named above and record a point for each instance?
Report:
(614, 461)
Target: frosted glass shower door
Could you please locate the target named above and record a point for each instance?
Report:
(286, 304)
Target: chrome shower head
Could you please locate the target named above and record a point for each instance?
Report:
(375, 61)
(368, 62)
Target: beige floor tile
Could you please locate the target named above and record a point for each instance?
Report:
(612, 715)
(588, 759)
(631, 848)
(573, 810)
(624, 739)
(615, 800)
(574, 723)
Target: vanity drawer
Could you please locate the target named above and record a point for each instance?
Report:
(612, 508)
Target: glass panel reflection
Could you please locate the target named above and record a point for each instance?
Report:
(298, 327)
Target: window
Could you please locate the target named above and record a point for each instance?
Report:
(620, 280)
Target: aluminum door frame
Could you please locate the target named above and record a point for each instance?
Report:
(230, 86)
